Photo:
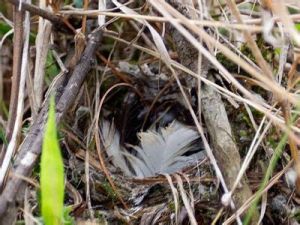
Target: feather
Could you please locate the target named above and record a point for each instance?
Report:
(111, 140)
(161, 151)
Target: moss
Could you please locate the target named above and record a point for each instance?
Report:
(2, 136)
(223, 31)
(109, 191)
(230, 66)
(171, 206)
(267, 51)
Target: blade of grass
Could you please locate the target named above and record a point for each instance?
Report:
(249, 202)
(52, 173)
(273, 163)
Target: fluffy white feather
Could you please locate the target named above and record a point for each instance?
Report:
(111, 139)
(160, 151)
(163, 151)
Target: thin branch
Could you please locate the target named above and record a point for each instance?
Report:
(42, 47)
(251, 43)
(57, 21)
(17, 55)
(13, 144)
(30, 149)
(94, 13)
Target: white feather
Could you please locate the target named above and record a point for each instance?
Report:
(111, 139)
(159, 152)
(162, 151)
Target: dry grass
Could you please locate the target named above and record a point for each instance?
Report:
(258, 77)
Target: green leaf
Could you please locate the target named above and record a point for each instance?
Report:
(68, 219)
(2, 135)
(297, 26)
(4, 28)
(277, 51)
(52, 173)
(51, 68)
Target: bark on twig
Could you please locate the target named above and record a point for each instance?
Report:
(214, 113)
(57, 21)
(15, 79)
(30, 149)
(17, 58)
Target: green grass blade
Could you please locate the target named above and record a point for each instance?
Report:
(273, 162)
(52, 173)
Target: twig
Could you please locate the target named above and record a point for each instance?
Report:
(225, 156)
(98, 145)
(264, 108)
(87, 175)
(278, 8)
(30, 149)
(17, 55)
(209, 23)
(285, 108)
(42, 47)
(273, 86)
(101, 7)
(84, 17)
(13, 142)
(57, 21)
(251, 200)
(252, 44)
